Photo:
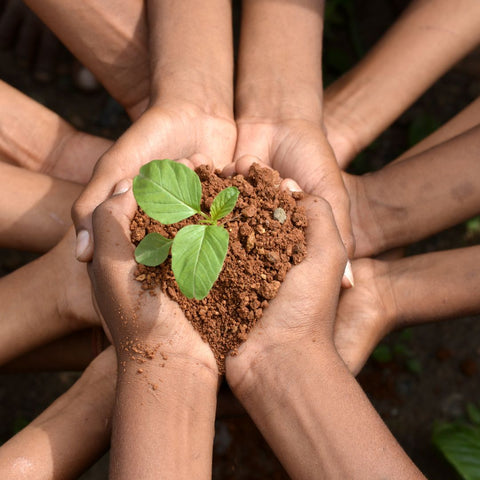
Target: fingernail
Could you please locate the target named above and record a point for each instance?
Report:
(83, 239)
(292, 185)
(121, 187)
(348, 273)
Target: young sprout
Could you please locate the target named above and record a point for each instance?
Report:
(169, 192)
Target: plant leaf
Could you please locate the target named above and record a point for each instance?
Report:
(224, 203)
(153, 249)
(167, 191)
(198, 253)
(460, 444)
(473, 413)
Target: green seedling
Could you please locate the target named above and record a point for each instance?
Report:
(170, 192)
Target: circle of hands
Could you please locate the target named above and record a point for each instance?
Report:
(332, 310)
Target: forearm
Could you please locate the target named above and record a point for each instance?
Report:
(36, 138)
(279, 64)
(468, 118)
(430, 192)
(164, 419)
(192, 54)
(435, 286)
(317, 419)
(422, 45)
(30, 313)
(110, 38)
(67, 437)
(71, 353)
(38, 218)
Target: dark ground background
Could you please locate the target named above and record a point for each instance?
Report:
(433, 372)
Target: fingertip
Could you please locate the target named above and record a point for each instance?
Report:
(229, 170)
(198, 159)
(123, 186)
(347, 279)
(290, 185)
(84, 246)
(243, 163)
(186, 162)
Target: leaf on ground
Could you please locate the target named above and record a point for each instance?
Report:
(153, 249)
(167, 191)
(198, 253)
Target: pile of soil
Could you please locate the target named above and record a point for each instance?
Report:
(267, 237)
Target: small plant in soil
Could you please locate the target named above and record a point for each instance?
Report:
(170, 192)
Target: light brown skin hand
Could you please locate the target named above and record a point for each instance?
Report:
(130, 314)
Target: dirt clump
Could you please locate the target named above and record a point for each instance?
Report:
(267, 237)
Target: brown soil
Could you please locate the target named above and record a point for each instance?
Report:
(267, 237)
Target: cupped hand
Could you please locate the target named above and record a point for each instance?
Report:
(302, 314)
(172, 131)
(298, 149)
(136, 320)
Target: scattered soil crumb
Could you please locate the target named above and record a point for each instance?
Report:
(263, 247)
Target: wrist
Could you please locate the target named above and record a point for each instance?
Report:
(150, 354)
(257, 364)
(270, 101)
(196, 90)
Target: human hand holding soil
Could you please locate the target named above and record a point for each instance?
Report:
(295, 386)
(167, 379)
(136, 320)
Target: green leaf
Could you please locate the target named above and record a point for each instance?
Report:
(224, 203)
(460, 444)
(473, 413)
(198, 253)
(153, 249)
(167, 191)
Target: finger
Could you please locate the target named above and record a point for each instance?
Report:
(111, 221)
(243, 164)
(186, 162)
(198, 159)
(293, 187)
(326, 256)
(290, 185)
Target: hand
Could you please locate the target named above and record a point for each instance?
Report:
(302, 314)
(365, 313)
(173, 132)
(136, 320)
(298, 149)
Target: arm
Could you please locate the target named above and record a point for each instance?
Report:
(429, 192)
(109, 38)
(422, 45)
(34, 137)
(292, 382)
(389, 295)
(55, 301)
(37, 219)
(167, 378)
(278, 99)
(70, 434)
(191, 110)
